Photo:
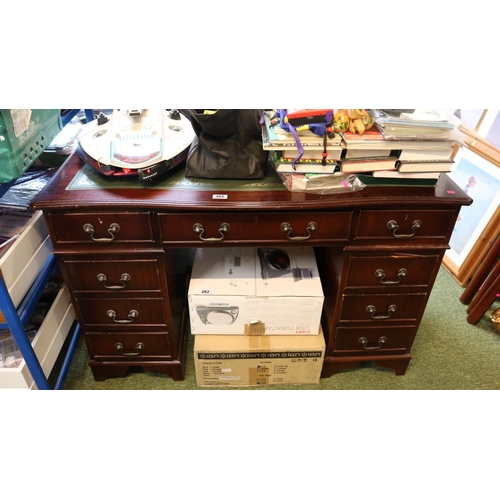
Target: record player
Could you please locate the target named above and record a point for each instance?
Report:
(136, 142)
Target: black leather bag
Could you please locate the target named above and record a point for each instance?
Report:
(228, 144)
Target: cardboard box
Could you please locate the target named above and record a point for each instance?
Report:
(239, 361)
(255, 291)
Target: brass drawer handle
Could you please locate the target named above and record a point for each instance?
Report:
(287, 228)
(113, 228)
(373, 311)
(138, 348)
(124, 278)
(364, 341)
(393, 225)
(131, 315)
(224, 228)
(379, 273)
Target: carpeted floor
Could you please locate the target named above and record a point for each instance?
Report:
(448, 354)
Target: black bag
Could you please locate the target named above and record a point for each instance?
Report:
(228, 144)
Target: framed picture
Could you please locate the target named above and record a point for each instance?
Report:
(478, 225)
(490, 128)
(471, 118)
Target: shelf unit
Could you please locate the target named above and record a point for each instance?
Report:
(25, 269)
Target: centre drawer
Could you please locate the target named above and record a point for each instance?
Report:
(256, 227)
(114, 275)
(102, 227)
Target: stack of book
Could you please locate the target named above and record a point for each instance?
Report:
(283, 143)
(314, 169)
(397, 150)
(416, 152)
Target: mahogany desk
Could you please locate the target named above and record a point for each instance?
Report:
(124, 254)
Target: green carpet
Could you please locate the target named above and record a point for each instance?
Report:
(448, 354)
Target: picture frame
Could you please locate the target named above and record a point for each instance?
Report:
(489, 128)
(472, 119)
(478, 224)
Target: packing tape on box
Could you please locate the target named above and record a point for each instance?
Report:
(255, 328)
(259, 342)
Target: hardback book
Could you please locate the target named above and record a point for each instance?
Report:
(395, 174)
(366, 153)
(360, 145)
(334, 153)
(275, 138)
(425, 165)
(433, 153)
(371, 164)
(373, 134)
(374, 139)
(369, 179)
(285, 165)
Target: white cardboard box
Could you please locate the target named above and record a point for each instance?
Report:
(239, 361)
(255, 291)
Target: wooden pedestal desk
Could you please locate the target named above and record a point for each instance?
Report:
(124, 253)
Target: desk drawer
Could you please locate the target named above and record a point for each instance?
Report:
(114, 275)
(102, 227)
(257, 227)
(391, 271)
(405, 225)
(128, 346)
(124, 313)
(375, 340)
(382, 308)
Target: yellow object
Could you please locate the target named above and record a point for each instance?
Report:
(341, 120)
(356, 121)
(360, 121)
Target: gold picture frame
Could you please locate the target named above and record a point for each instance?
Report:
(478, 225)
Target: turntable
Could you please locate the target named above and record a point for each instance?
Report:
(136, 142)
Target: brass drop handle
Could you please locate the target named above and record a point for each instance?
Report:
(112, 230)
(124, 278)
(287, 228)
(393, 225)
(373, 311)
(379, 273)
(224, 228)
(138, 348)
(131, 315)
(364, 341)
